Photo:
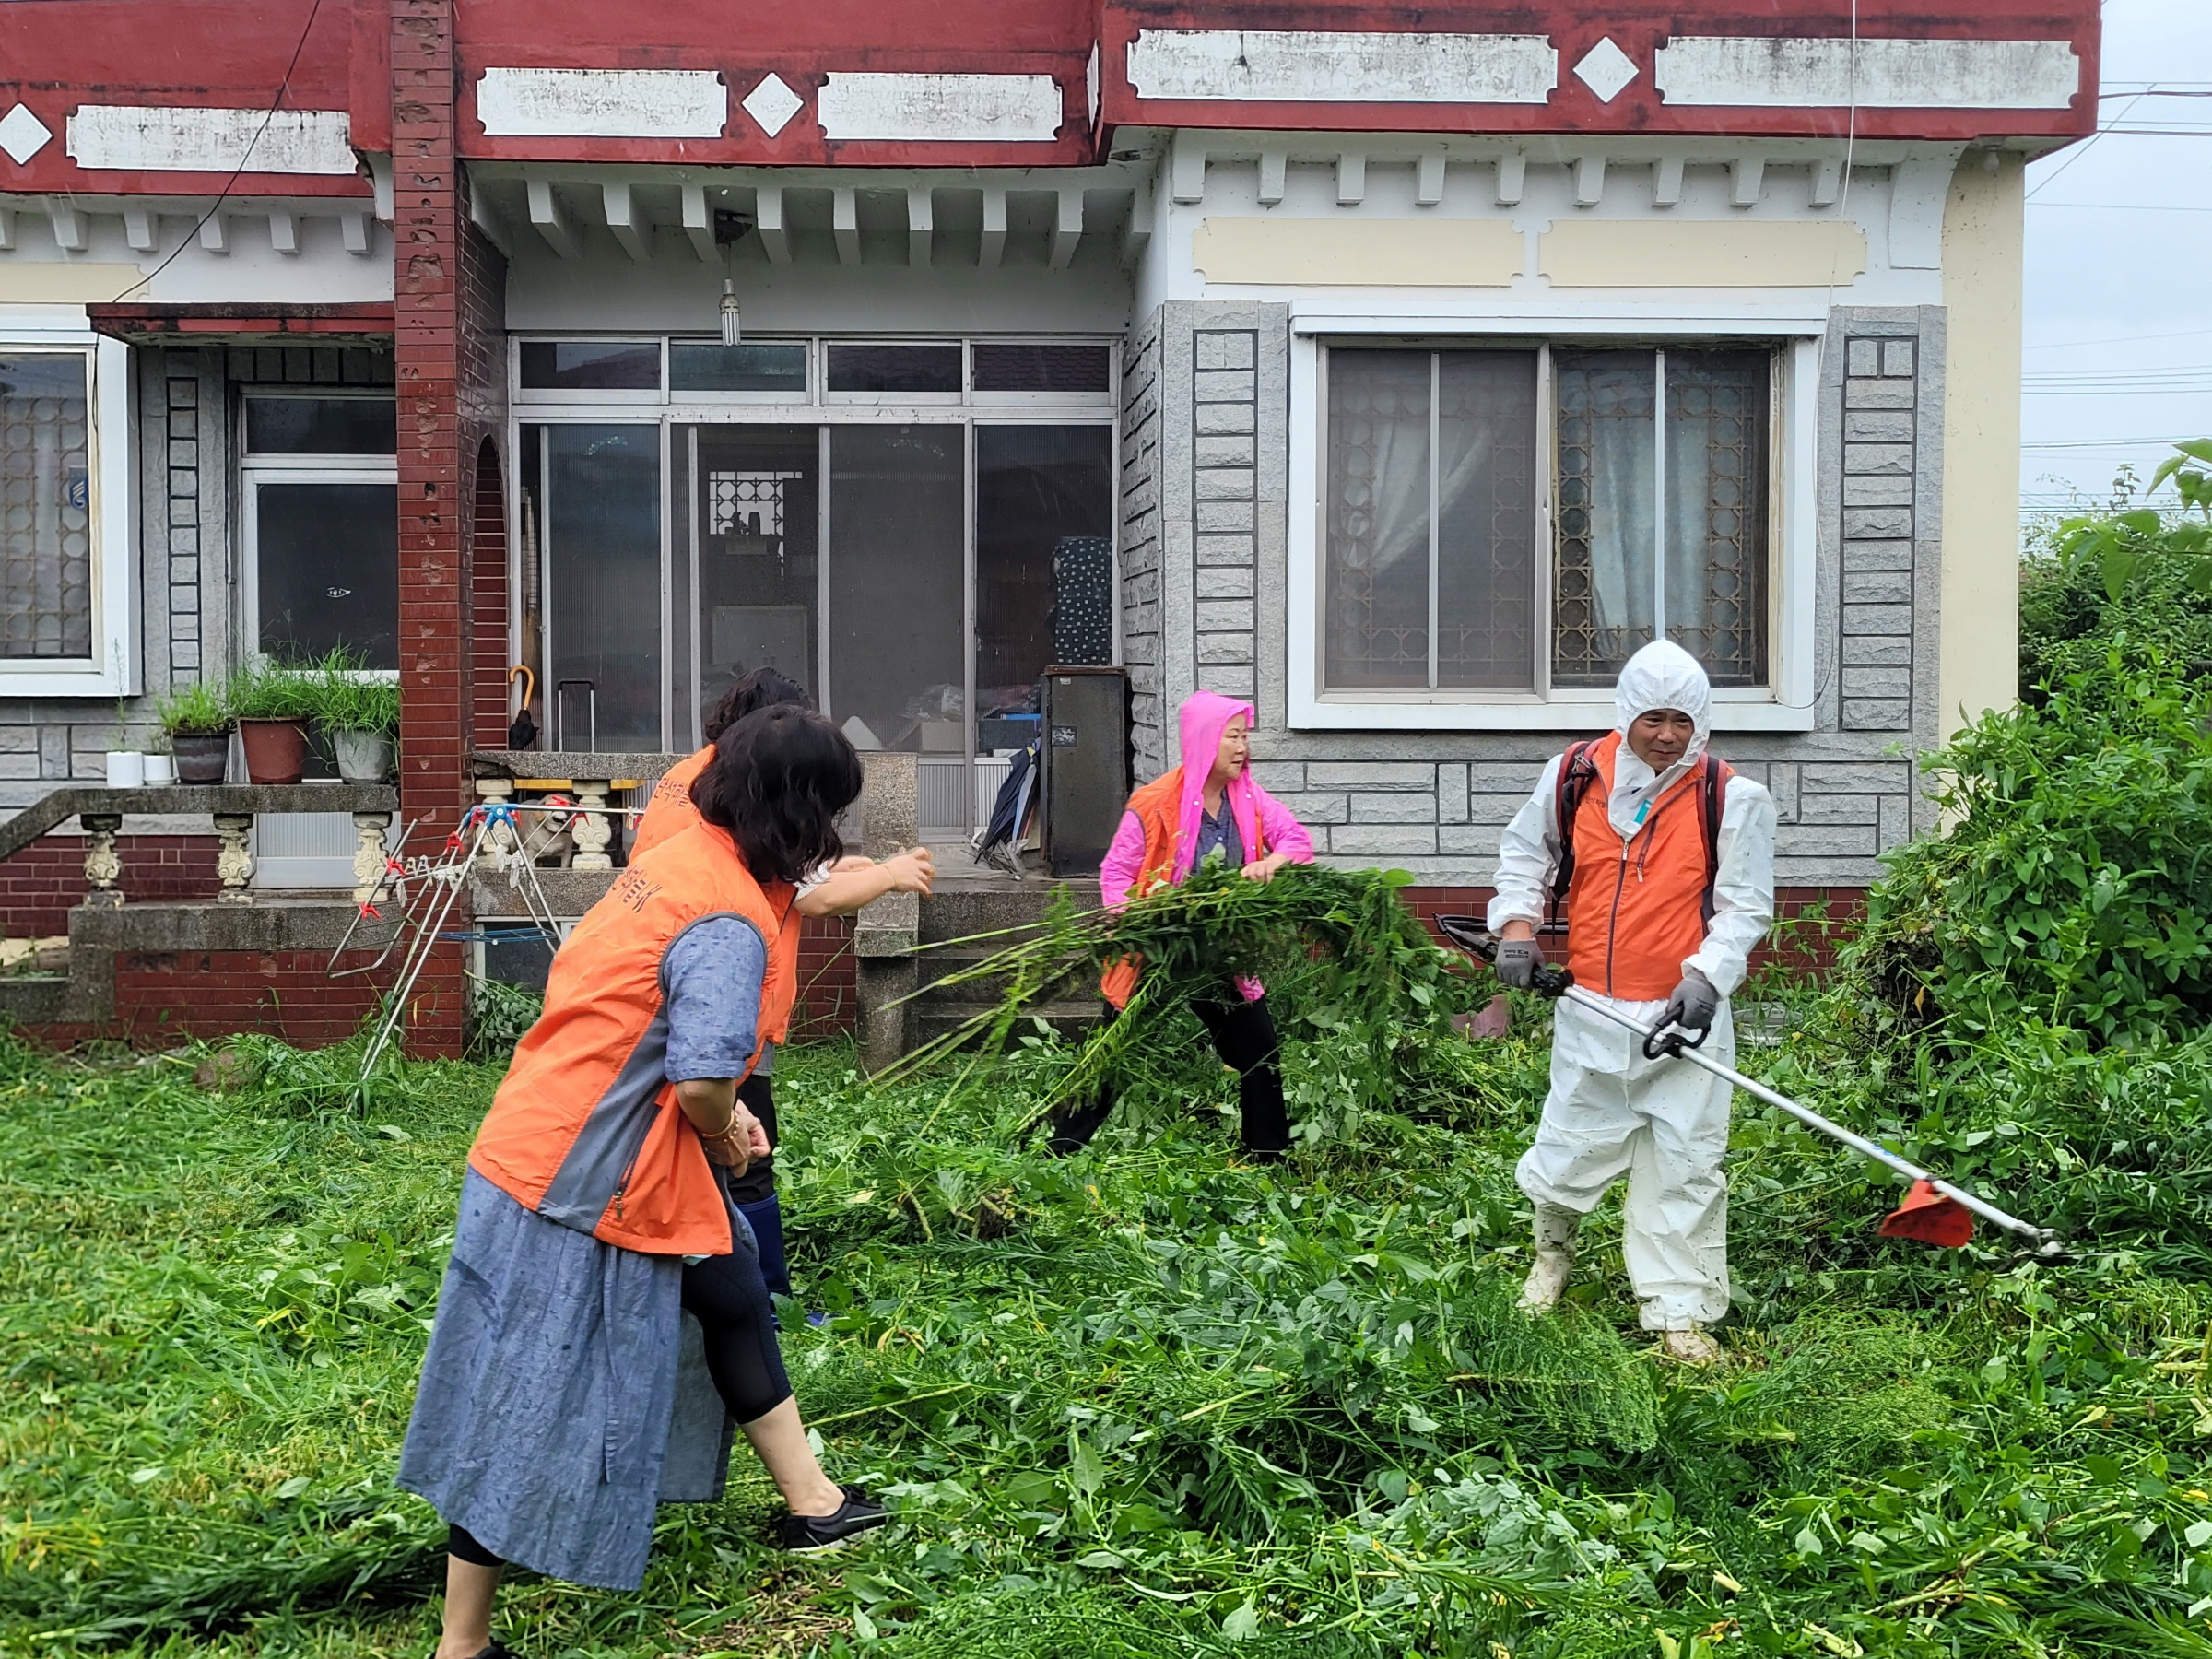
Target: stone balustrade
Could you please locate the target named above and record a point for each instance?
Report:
(233, 806)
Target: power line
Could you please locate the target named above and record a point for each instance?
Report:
(2085, 443)
(2183, 334)
(2124, 208)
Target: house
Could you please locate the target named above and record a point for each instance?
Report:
(1399, 371)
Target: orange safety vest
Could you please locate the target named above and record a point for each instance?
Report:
(668, 813)
(586, 1129)
(1159, 808)
(1636, 909)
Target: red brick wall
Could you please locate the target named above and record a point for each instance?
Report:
(166, 998)
(487, 567)
(828, 1002)
(40, 884)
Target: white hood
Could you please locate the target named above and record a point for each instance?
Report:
(1661, 675)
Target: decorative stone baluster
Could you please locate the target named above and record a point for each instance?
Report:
(591, 828)
(368, 853)
(104, 867)
(499, 837)
(234, 858)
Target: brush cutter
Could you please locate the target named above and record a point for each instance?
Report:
(1934, 1212)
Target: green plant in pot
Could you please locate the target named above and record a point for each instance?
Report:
(198, 723)
(361, 713)
(273, 705)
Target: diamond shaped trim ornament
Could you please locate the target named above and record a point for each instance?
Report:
(23, 134)
(1605, 69)
(772, 104)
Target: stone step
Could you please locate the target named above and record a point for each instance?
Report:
(926, 1021)
(952, 914)
(28, 999)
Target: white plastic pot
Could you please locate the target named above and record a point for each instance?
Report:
(363, 757)
(127, 769)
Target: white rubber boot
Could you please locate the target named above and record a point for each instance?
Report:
(1555, 1231)
(1689, 1347)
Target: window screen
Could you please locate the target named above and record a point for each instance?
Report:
(1042, 369)
(702, 367)
(326, 571)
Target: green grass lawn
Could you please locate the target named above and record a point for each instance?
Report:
(1148, 1401)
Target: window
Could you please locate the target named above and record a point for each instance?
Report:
(1511, 523)
(1042, 368)
(591, 365)
(321, 527)
(895, 370)
(45, 506)
(696, 366)
(67, 600)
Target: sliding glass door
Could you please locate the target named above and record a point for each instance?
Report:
(917, 577)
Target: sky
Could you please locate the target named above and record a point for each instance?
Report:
(2119, 274)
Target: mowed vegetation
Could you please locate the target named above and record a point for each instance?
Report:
(1153, 1401)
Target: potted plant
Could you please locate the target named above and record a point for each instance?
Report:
(361, 714)
(273, 705)
(199, 732)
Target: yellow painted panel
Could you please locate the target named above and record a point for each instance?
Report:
(1672, 253)
(1358, 253)
(1978, 642)
(57, 282)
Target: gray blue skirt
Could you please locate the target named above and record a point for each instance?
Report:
(564, 1395)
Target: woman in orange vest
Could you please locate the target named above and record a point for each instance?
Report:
(1208, 805)
(1665, 859)
(834, 889)
(563, 1394)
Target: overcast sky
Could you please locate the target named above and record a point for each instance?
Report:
(2119, 314)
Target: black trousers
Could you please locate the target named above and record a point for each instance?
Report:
(729, 1298)
(758, 1182)
(1243, 1034)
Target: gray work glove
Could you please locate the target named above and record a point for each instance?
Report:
(1517, 962)
(1693, 1005)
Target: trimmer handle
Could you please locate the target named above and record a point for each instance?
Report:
(1671, 1044)
(1471, 936)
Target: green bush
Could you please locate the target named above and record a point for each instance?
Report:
(2075, 887)
(197, 711)
(344, 699)
(265, 690)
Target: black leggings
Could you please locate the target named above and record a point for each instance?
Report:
(1244, 1037)
(729, 1298)
(757, 1184)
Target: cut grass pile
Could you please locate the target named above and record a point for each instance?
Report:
(1145, 1402)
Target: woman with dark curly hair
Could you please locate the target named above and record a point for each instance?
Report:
(836, 887)
(604, 1322)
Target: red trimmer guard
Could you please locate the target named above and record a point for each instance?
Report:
(1929, 1217)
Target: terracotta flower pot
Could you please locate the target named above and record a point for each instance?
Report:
(201, 756)
(276, 751)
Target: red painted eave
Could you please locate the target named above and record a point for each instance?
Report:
(325, 324)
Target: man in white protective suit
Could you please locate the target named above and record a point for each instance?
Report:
(1662, 859)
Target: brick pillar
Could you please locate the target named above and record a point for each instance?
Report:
(433, 589)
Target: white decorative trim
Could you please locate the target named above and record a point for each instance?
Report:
(1788, 71)
(1788, 706)
(941, 109)
(1308, 65)
(773, 104)
(195, 138)
(602, 103)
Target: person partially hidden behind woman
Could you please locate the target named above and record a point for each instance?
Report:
(837, 889)
(604, 1319)
(1208, 804)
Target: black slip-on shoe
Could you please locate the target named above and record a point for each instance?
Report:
(810, 1535)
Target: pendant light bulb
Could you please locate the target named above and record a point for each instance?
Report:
(730, 332)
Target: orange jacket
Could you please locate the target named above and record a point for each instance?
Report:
(1636, 908)
(1156, 807)
(668, 814)
(586, 1129)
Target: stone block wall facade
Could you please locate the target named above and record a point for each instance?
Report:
(1205, 607)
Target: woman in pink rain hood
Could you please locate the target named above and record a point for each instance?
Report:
(1207, 805)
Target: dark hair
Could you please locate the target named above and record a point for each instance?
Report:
(749, 693)
(778, 781)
